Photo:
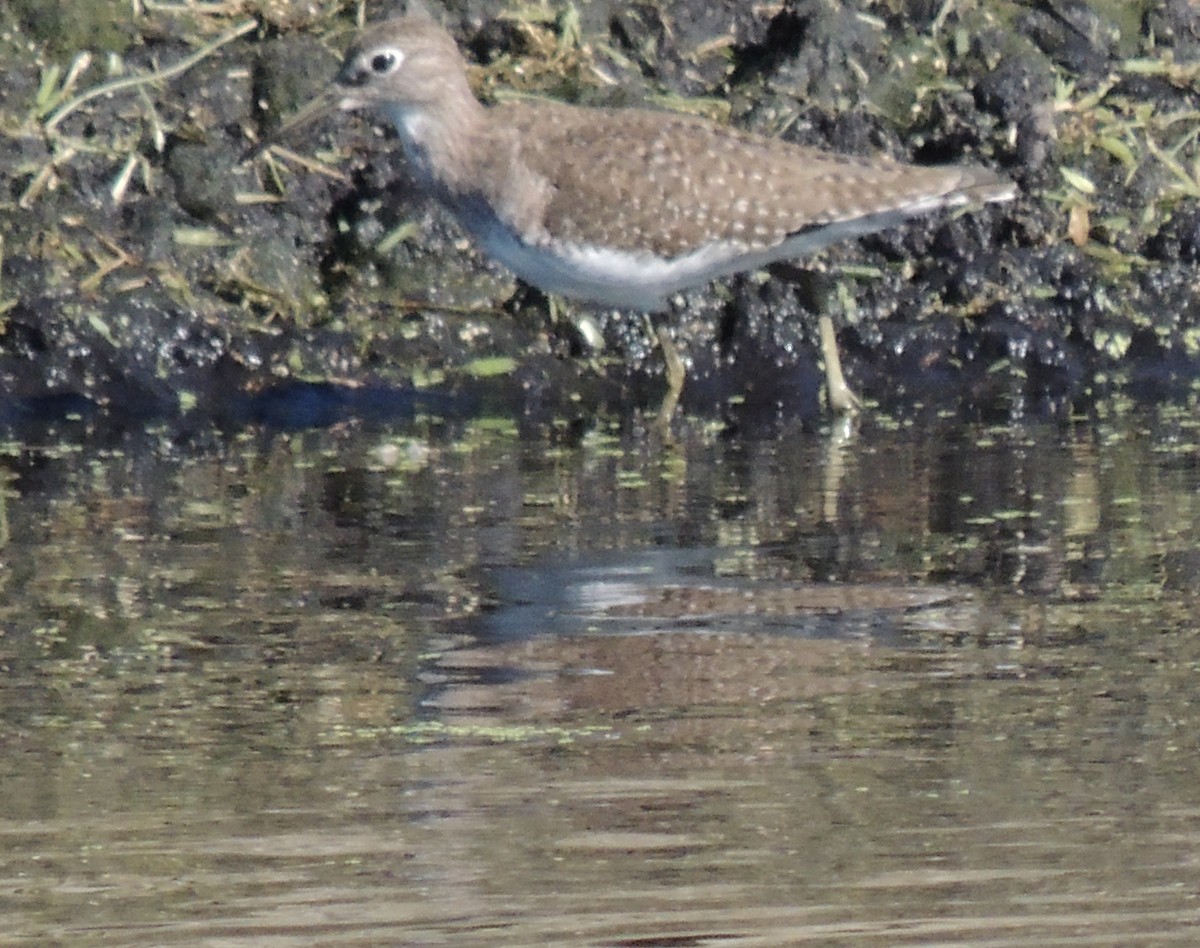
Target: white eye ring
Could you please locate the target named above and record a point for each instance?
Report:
(385, 61)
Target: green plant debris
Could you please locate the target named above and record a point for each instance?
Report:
(133, 82)
(491, 425)
(718, 110)
(490, 367)
(55, 88)
(1137, 134)
(206, 237)
(396, 236)
(1113, 344)
(438, 732)
(631, 480)
(1078, 180)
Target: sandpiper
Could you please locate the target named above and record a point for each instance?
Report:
(623, 207)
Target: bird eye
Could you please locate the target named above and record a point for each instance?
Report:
(382, 63)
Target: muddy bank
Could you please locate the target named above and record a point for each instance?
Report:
(149, 273)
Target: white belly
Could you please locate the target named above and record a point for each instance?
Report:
(606, 277)
(644, 281)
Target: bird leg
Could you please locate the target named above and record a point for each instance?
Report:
(841, 399)
(674, 373)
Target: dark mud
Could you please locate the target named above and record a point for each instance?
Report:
(148, 273)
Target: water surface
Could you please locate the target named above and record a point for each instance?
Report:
(455, 683)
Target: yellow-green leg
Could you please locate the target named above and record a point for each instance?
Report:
(842, 400)
(675, 374)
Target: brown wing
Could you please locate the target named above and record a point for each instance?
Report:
(634, 179)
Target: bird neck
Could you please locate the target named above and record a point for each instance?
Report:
(441, 135)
